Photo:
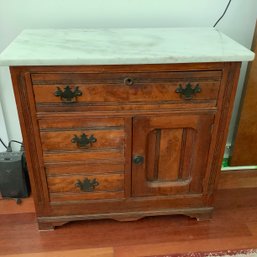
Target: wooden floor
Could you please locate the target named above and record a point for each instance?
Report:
(234, 226)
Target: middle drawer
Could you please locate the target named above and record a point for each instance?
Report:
(82, 139)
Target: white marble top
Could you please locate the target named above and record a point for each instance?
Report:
(122, 46)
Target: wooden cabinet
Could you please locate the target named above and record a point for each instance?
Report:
(123, 123)
(125, 141)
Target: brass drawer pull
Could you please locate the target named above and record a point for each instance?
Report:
(128, 81)
(83, 141)
(67, 95)
(188, 92)
(87, 185)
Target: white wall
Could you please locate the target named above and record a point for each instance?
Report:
(3, 131)
(16, 15)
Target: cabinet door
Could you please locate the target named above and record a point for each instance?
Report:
(170, 154)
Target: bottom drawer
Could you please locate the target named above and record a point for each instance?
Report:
(85, 187)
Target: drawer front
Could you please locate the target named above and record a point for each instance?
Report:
(84, 158)
(70, 90)
(85, 187)
(84, 168)
(87, 155)
(83, 139)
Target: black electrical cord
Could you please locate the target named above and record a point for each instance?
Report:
(222, 14)
(15, 141)
(3, 143)
(9, 148)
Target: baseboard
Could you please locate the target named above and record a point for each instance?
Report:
(233, 179)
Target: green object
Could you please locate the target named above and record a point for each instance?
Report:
(227, 167)
(225, 162)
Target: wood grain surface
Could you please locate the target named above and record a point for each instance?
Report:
(192, 133)
(194, 160)
(111, 87)
(146, 237)
(245, 138)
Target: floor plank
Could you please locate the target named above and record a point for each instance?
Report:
(218, 244)
(9, 206)
(99, 252)
(235, 179)
(233, 226)
(252, 225)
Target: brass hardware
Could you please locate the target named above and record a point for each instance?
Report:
(87, 185)
(83, 141)
(128, 81)
(188, 92)
(138, 159)
(67, 95)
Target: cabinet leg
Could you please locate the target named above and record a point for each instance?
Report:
(45, 226)
(202, 216)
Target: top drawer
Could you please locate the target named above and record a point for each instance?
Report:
(70, 91)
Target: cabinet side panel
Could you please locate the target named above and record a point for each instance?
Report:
(24, 100)
(221, 125)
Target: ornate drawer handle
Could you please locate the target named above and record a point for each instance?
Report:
(87, 185)
(128, 81)
(83, 141)
(188, 92)
(67, 95)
